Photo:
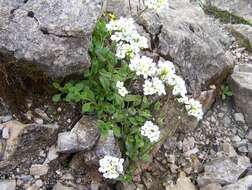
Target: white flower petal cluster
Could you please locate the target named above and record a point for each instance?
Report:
(155, 4)
(150, 131)
(166, 71)
(111, 167)
(128, 41)
(179, 86)
(194, 108)
(143, 66)
(153, 86)
(121, 89)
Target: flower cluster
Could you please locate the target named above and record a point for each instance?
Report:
(155, 4)
(154, 86)
(143, 66)
(128, 41)
(111, 167)
(193, 107)
(121, 89)
(150, 131)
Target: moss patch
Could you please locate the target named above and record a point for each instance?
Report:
(242, 40)
(225, 16)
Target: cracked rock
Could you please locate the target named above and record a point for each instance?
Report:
(223, 171)
(53, 35)
(241, 86)
(82, 137)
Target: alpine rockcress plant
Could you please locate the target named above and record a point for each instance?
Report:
(105, 90)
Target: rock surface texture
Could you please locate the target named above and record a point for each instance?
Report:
(53, 35)
(82, 137)
(241, 85)
(242, 8)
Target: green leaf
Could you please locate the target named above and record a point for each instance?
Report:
(146, 158)
(87, 107)
(117, 131)
(157, 106)
(133, 98)
(229, 93)
(103, 127)
(56, 98)
(104, 82)
(56, 85)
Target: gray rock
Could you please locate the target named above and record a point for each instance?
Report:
(223, 171)
(243, 184)
(239, 117)
(244, 30)
(242, 8)
(39, 170)
(229, 150)
(183, 182)
(59, 186)
(212, 186)
(241, 85)
(249, 135)
(107, 146)
(82, 137)
(51, 155)
(8, 185)
(53, 35)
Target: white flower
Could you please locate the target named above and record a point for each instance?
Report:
(179, 86)
(143, 65)
(150, 131)
(166, 71)
(156, 4)
(124, 50)
(194, 108)
(111, 167)
(121, 89)
(153, 86)
(124, 25)
(128, 41)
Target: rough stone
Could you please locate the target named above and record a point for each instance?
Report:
(183, 182)
(107, 146)
(212, 186)
(52, 35)
(239, 117)
(82, 137)
(39, 170)
(26, 140)
(243, 184)
(249, 135)
(223, 171)
(51, 155)
(242, 8)
(241, 85)
(8, 185)
(15, 128)
(244, 30)
(59, 186)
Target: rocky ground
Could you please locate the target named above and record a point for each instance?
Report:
(216, 155)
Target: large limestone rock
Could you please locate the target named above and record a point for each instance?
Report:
(223, 171)
(241, 85)
(242, 8)
(53, 35)
(243, 184)
(82, 137)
